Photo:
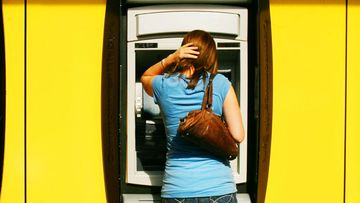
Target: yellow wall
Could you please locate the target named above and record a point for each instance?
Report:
(64, 50)
(13, 174)
(63, 95)
(353, 105)
(307, 150)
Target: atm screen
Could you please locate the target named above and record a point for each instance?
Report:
(150, 133)
(146, 58)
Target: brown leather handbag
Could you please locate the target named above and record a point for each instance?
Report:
(208, 130)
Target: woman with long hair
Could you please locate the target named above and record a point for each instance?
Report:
(177, 84)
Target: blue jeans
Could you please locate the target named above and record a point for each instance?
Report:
(228, 198)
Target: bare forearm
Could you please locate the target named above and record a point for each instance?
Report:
(156, 69)
(186, 51)
(233, 116)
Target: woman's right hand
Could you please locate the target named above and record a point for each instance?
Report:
(185, 51)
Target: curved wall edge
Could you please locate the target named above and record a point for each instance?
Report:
(110, 101)
(266, 97)
(2, 94)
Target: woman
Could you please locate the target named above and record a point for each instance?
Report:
(177, 84)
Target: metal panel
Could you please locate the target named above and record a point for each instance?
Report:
(183, 21)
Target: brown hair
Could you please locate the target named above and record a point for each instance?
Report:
(206, 60)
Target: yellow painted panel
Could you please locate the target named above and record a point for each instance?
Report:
(307, 150)
(64, 53)
(353, 105)
(14, 173)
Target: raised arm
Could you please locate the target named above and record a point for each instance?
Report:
(186, 51)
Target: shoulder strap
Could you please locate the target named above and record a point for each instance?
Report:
(207, 100)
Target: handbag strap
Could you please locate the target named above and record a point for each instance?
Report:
(207, 100)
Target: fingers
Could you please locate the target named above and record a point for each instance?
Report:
(191, 47)
(192, 56)
(191, 52)
(188, 44)
(188, 51)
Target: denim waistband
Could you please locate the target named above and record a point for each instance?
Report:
(228, 198)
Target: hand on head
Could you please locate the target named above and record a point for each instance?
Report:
(186, 51)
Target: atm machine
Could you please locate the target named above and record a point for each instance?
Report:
(139, 33)
(153, 32)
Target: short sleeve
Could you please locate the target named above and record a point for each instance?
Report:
(222, 85)
(157, 84)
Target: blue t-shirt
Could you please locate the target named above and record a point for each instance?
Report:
(190, 171)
